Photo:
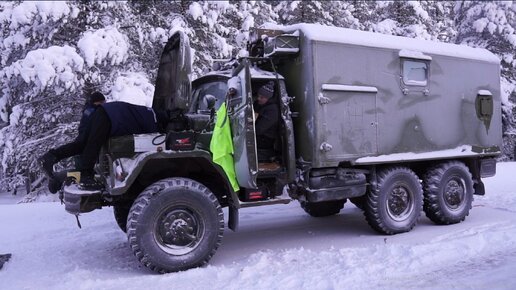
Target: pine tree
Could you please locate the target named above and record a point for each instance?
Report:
(492, 25)
(405, 18)
(41, 110)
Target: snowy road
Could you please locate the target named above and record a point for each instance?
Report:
(276, 247)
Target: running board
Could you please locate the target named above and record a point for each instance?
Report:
(265, 202)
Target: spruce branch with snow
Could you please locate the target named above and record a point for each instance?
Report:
(53, 53)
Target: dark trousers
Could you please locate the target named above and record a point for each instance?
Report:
(68, 150)
(98, 135)
(265, 148)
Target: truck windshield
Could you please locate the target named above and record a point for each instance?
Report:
(216, 88)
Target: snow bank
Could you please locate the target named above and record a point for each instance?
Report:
(104, 46)
(132, 88)
(55, 65)
(276, 247)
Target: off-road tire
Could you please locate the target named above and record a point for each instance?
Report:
(121, 212)
(448, 192)
(396, 203)
(169, 201)
(359, 201)
(322, 209)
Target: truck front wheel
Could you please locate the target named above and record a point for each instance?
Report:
(323, 208)
(448, 193)
(395, 205)
(175, 224)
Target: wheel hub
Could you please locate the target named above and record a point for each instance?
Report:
(179, 231)
(399, 203)
(454, 193)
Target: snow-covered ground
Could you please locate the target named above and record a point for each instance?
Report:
(276, 247)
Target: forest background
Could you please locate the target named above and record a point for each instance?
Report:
(53, 54)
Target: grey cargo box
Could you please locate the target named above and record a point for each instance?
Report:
(369, 98)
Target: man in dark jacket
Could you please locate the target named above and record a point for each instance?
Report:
(266, 125)
(76, 146)
(111, 120)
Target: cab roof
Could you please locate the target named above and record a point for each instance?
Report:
(256, 73)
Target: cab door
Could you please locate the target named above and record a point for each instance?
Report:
(241, 116)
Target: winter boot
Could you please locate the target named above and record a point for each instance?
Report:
(54, 185)
(89, 183)
(47, 162)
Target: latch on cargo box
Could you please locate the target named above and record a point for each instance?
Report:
(325, 147)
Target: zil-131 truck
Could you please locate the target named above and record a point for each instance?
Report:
(397, 126)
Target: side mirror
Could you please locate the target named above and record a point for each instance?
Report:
(233, 94)
(210, 101)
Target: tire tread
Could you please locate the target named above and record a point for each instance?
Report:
(144, 199)
(372, 209)
(432, 180)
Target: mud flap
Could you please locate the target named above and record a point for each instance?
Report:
(479, 187)
(233, 218)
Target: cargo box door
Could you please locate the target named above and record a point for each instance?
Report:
(242, 126)
(349, 127)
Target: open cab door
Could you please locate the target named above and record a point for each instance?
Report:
(241, 115)
(172, 88)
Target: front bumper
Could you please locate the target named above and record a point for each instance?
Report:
(81, 201)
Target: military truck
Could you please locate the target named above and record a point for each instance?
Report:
(397, 126)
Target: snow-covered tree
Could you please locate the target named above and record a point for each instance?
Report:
(54, 53)
(492, 25)
(405, 18)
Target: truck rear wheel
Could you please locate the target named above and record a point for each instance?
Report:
(175, 224)
(448, 193)
(322, 209)
(395, 205)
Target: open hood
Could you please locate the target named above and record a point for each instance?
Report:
(172, 88)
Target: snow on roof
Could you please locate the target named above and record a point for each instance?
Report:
(484, 93)
(319, 32)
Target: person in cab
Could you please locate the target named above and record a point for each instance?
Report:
(266, 124)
